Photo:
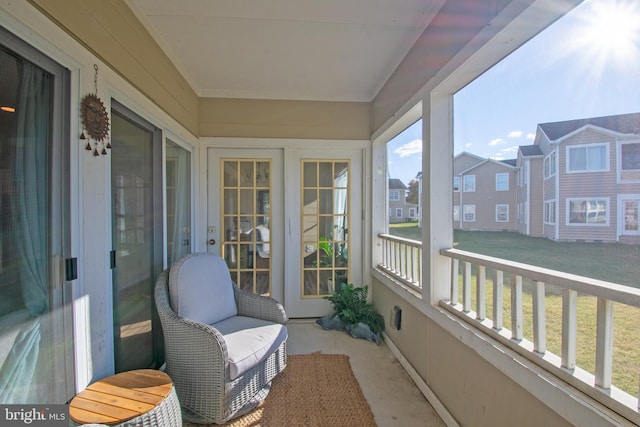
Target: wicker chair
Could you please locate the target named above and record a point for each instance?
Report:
(207, 360)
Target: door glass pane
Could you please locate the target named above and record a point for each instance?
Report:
(31, 346)
(132, 183)
(631, 210)
(178, 196)
(325, 261)
(246, 220)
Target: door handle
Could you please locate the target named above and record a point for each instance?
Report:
(212, 242)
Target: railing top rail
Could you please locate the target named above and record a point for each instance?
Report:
(600, 288)
(408, 242)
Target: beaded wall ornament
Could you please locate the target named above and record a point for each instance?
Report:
(95, 122)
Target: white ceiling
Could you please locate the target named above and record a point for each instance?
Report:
(332, 50)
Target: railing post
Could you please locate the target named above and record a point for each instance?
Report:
(516, 308)
(466, 288)
(480, 293)
(539, 327)
(498, 295)
(454, 281)
(604, 343)
(406, 263)
(569, 313)
(419, 266)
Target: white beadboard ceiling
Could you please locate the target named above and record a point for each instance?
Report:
(329, 50)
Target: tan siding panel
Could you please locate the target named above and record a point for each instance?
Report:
(111, 31)
(284, 119)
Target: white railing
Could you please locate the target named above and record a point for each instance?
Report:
(542, 281)
(402, 258)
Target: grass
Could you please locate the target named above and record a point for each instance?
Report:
(611, 262)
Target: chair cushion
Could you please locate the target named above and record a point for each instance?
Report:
(200, 288)
(249, 341)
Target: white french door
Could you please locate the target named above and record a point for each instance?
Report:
(324, 227)
(245, 220)
(287, 222)
(629, 214)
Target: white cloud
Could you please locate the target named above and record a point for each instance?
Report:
(496, 141)
(531, 136)
(409, 149)
(515, 134)
(513, 149)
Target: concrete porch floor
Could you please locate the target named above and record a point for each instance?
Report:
(392, 395)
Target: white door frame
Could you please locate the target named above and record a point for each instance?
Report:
(621, 199)
(214, 228)
(318, 307)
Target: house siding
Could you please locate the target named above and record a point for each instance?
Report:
(486, 198)
(601, 184)
(521, 196)
(465, 161)
(111, 31)
(536, 199)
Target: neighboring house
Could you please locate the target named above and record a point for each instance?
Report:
(528, 191)
(399, 209)
(580, 180)
(484, 193)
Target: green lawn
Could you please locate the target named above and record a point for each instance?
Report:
(611, 262)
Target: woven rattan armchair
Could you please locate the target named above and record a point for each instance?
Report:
(214, 365)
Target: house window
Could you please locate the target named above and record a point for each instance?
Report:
(398, 212)
(587, 158)
(469, 183)
(502, 182)
(394, 195)
(412, 212)
(550, 165)
(469, 213)
(550, 212)
(456, 184)
(630, 154)
(456, 213)
(502, 213)
(592, 212)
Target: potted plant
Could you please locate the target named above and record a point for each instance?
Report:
(353, 313)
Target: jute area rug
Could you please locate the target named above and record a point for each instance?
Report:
(313, 390)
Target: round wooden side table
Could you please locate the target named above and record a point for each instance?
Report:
(134, 398)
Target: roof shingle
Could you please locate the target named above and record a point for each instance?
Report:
(623, 123)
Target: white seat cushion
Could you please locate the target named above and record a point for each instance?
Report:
(200, 288)
(249, 341)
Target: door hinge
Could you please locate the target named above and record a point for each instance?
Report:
(112, 259)
(70, 269)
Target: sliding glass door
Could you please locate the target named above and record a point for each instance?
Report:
(36, 347)
(137, 236)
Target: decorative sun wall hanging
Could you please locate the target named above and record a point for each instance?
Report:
(95, 121)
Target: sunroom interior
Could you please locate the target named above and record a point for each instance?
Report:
(286, 106)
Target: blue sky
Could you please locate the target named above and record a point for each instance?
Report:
(587, 64)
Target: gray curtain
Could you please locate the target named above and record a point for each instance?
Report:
(182, 208)
(18, 375)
